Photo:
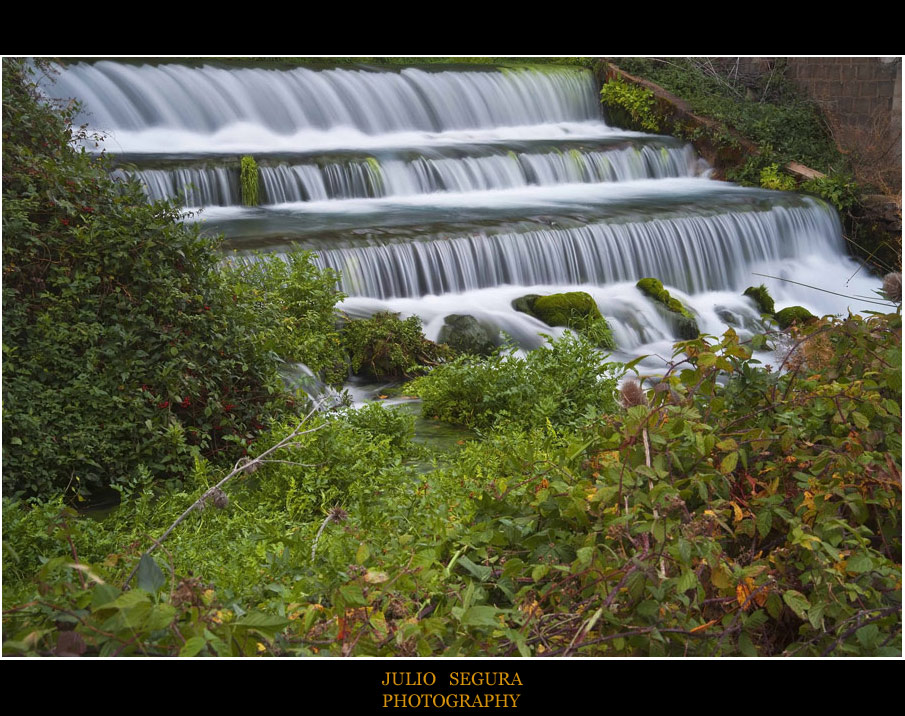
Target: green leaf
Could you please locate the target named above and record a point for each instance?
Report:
(745, 645)
(361, 556)
(481, 616)
(686, 581)
(859, 563)
(478, 570)
(103, 594)
(815, 616)
(859, 420)
(867, 635)
(150, 577)
(160, 617)
(353, 596)
(728, 463)
(127, 600)
(797, 602)
(268, 624)
(192, 646)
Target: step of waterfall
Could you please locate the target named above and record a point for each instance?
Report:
(437, 190)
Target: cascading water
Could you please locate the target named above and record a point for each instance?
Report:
(457, 191)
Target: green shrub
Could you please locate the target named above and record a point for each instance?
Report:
(385, 346)
(123, 350)
(772, 178)
(291, 304)
(841, 192)
(771, 111)
(560, 382)
(631, 105)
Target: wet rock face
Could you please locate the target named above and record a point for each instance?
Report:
(465, 334)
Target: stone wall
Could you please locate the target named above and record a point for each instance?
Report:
(862, 100)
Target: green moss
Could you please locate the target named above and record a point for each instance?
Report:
(248, 177)
(684, 321)
(762, 298)
(793, 314)
(576, 310)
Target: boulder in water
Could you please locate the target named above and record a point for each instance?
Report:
(684, 322)
(574, 309)
(761, 296)
(793, 314)
(466, 334)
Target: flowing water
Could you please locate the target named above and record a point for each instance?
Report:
(438, 191)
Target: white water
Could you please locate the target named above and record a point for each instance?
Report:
(477, 187)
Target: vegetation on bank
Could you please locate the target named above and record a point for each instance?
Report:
(766, 110)
(725, 508)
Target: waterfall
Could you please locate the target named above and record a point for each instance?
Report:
(449, 190)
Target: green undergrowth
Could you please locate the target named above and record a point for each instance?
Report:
(127, 351)
(768, 110)
(560, 383)
(721, 510)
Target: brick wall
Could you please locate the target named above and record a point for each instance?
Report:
(862, 100)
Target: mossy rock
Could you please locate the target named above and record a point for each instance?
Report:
(575, 309)
(465, 334)
(762, 298)
(525, 304)
(793, 314)
(684, 322)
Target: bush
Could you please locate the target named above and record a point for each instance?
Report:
(771, 178)
(291, 304)
(560, 383)
(124, 352)
(385, 346)
(630, 105)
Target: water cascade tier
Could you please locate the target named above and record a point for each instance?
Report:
(437, 190)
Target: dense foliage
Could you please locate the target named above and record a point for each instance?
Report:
(386, 346)
(728, 510)
(725, 508)
(767, 109)
(124, 350)
(561, 383)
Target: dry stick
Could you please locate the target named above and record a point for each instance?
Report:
(236, 470)
(882, 613)
(650, 487)
(327, 520)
